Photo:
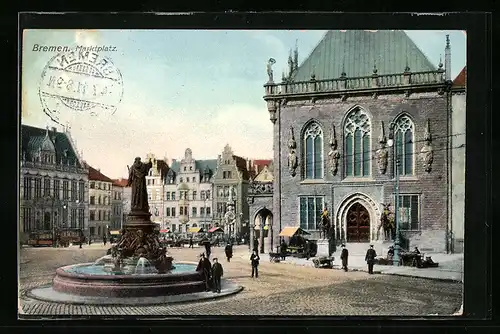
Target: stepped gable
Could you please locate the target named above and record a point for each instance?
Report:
(356, 51)
(32, 138)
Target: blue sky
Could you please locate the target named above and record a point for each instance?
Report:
(185, 88)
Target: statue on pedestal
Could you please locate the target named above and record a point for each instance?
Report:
(427, 152)
(137, 180)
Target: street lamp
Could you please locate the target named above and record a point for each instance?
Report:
(390, 143)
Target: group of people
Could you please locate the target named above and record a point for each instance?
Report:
(212, 273)
(369, 258)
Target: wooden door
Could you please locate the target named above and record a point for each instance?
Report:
(358, 224)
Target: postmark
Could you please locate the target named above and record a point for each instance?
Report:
(80, 81)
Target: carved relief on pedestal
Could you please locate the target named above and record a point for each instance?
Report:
(333, 155)
(382, 152)
(292, 155)
(427, 151)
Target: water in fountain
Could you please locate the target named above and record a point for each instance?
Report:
(103, 260)
(144, 267)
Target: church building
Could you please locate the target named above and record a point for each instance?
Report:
(364, 119)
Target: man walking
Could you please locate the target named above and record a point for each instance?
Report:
(344, 255)
(254, 258)
(104, 240)
(370, 258)
(229, 252)
(217, 273)
(191, 242)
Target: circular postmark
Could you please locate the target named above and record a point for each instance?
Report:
(80, 81)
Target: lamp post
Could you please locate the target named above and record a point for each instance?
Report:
(390, 143)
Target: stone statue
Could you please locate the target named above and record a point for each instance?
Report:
(292, 155)
(137, 180)
(427, 152)
(270, 63)
(382, 152)
(334, 154)
(386, 222)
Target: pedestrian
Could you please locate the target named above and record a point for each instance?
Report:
(370, 258)
(205, 267)
(217, 273)
(104, 240)
(390, 253)
(254, 258)
(207, 248)
(255, 244)
(82, 240)
(283, 249)
(344, 255)
(90, 240)
(229, 251)
(307, 249)
(191, 242)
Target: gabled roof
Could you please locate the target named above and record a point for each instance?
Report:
(120, 182)
(265, 175)
(202, 165)
(461, 79)
(95, 175)
(241, 164)
(32, 138)
(356, 51)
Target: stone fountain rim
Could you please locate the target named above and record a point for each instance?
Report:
(61, 271)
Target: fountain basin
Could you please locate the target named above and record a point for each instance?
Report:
(80, 280)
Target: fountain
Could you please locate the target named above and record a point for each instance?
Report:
(137, 267)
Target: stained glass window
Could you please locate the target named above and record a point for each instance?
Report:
(313, 144)
(357, 129)
(404, 132)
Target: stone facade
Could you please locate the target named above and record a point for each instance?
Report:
(231, 173)
(331, 149)
(260, 200)
(117, 218)
(458, 116)
(189, 193)
(100, 203)
(53, 182)
(155, 187)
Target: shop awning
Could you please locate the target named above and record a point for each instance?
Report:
(291, 231)
(195, 230)
(114, 232)
(215, 229)
(165, 231)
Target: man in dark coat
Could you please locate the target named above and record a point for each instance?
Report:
(255, 244)
(344, 255)
(370, 258)
(217, 273)
(207, 247)
(104, 240)
(283, 249)
(205, 267)
(229, 251)
(191, 242)
(254, 258)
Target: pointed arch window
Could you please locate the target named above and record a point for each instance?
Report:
(313, 151)
(404, 132)
(357, 131)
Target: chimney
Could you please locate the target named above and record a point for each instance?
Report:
(447, 59)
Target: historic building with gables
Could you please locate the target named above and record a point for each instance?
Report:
(53, 182)
(361, 104)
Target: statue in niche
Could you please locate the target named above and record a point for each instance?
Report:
(382, 152)
(427, 152)
(270, 63)
(292, 155)
(334, 155)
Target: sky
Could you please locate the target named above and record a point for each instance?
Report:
(200, 89)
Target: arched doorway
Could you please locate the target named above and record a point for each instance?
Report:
(262, 228)
(358, 223)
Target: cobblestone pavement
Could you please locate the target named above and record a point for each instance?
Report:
(281, 289)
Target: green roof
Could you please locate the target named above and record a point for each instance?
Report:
(32, 138)
(356, 51)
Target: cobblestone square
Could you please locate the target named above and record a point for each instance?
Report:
(281, 289)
